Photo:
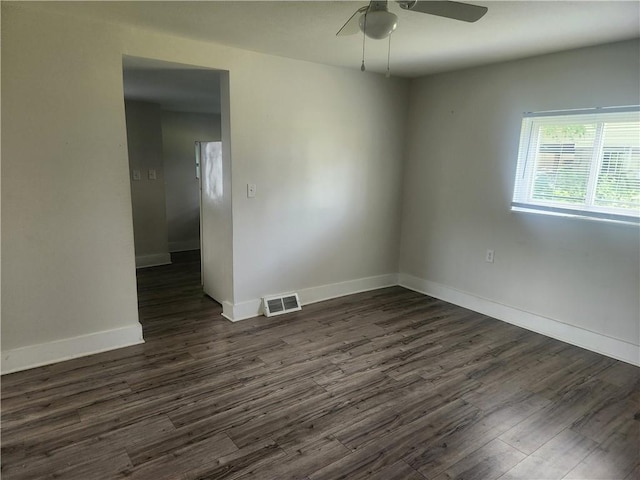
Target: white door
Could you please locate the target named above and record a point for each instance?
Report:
(214, 210)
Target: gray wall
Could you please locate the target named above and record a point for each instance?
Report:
(329, 177)
(462, 150)
(328, 173)
(180, 131)
(144, 142)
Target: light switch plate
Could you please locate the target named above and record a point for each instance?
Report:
(152, 174)
(136, 175)
(251, 190)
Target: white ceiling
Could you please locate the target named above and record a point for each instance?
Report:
(422, 44)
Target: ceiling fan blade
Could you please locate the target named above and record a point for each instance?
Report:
(456, 10)
(353, 24)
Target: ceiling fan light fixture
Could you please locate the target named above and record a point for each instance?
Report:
(378, 24)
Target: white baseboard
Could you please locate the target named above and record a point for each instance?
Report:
(242, 310)
(155, 260)
(66, 349)
(60, 350)
(596, 342)
(253, 308)
(184, 246)
(350, 287)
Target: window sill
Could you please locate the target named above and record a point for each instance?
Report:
(568, 213)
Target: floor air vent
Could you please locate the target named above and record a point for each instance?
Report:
(281, 304)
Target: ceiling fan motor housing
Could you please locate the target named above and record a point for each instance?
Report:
(378, 22)
(407, 4)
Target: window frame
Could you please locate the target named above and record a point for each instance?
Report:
(528, 162)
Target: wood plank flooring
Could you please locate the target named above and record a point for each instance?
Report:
(384, 385)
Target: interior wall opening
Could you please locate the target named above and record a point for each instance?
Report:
(171, 111)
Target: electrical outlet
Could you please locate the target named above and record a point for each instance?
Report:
(489, 256)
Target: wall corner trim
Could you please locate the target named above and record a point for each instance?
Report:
(242, 311)
(32, 356)
(596, 342)
(253, 308)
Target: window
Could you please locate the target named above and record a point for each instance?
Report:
(582, 163)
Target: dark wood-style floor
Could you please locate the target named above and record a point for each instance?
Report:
(385, 385)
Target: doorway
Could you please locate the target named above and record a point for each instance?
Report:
(169, 109)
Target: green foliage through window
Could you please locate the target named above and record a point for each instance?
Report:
(564, 132)
(584, 162)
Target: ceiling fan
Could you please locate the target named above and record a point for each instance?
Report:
(376, 21)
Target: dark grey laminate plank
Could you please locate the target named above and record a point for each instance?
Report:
(381, 452)
(634, 474)
(542, 426)
(358, 399)
(76, 382)
(195, 371)
(76, 439)
(27, 430)
(248, 462)
(486, 463)
(197, 456)
(390, 415)
(615, 458)
(532, 370)
(557, 384)
(608, 416)
(386, 384)
(223, 421)
(158, 400)
(45, 407)
(444, 451)
(90, 459)
(270, 423)
(68, 372)
(622, 375)
(398, 471)
(301, 462)
(245, 398)
(554, 459)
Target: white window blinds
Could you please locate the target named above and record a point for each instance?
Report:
(581, 163)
